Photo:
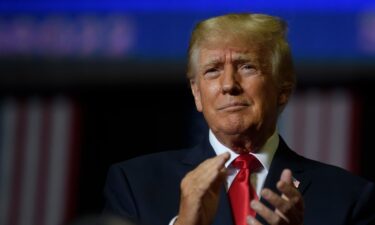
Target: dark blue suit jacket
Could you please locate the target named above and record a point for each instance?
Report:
(147, 188)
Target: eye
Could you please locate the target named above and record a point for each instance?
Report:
(211, 72)
(248, 69)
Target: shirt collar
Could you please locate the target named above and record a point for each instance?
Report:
(265, 155)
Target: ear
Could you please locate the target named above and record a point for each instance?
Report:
(196, 93)
(283, 98)
(284, 95)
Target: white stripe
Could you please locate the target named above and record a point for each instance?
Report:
(340, 132)
(311, 134)
(58, 164)
(287, 123)
(9, 123)
(32, 147)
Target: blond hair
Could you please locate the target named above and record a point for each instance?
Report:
(266, 31)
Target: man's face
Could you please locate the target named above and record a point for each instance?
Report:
(235, 90)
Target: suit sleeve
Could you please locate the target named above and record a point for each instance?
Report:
(118, 195)
(364, 209)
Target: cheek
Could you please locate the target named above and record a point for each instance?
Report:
(264, 95)
(209, 95)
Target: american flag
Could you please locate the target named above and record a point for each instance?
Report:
(38, 160)
(323, 125)
(39, 155)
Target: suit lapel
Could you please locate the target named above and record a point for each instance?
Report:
(285, 158)
(192, 159)
(224, 211)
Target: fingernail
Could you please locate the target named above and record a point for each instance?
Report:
(250, 220)
(254, 205)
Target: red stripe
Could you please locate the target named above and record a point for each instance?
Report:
(18, 162)
(43, 163)
(325, 126)
(73, 162)
(355, 128)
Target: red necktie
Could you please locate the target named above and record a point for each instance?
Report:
(241, 192)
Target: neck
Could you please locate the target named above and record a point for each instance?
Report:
(244, 142)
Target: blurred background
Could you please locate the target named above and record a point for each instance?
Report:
(84, 84)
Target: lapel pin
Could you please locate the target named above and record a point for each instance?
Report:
(295, 182)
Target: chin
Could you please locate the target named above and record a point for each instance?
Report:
(231, 129)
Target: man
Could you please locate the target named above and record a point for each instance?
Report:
(241, 75)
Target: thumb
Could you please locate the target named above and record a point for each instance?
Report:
(286, 176)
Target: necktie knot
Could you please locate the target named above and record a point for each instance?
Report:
(246, 161)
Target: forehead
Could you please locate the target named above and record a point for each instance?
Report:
(219, 52)
(208, 54)
(244, 45)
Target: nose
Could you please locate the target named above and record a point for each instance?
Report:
(230, 81)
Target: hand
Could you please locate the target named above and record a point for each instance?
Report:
(200, 190)
(289, 207)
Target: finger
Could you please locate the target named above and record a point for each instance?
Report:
(276, 200)
(287, 189)
(217, 162)
(223, 158)
(252, 221)
(294, 210)
(290, 192)
(286, 176)
(214, 166)
(208, 173)
(270, 216)
(286, 186)
(210, 166)
(284, 208)
(204, 180)
(219, 172)
(220, 179)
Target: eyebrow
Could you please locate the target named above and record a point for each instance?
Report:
(243, 58)
(213, 61)
(236, 59)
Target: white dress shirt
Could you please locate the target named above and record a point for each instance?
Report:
(265, 156)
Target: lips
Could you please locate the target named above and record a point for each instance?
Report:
(233, 106)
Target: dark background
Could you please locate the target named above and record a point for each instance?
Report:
(125, 119)
(138, 101)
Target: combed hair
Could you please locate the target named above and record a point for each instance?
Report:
(266, 31)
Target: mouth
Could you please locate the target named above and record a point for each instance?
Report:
(233, 106)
